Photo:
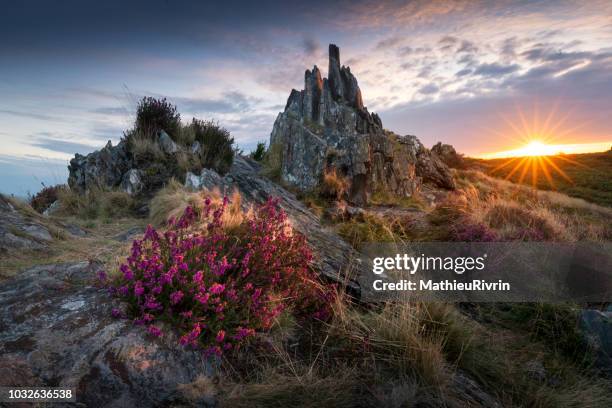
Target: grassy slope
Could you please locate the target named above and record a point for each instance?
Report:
(498, 344)
(409, 354)
(589, 175)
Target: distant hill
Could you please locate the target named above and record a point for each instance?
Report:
(587, 176)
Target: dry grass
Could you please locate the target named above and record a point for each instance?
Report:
(509, 208)
(174, 198)
(333, 185)
(96, 203)
(145, 147)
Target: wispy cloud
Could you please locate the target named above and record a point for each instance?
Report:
(28, 115)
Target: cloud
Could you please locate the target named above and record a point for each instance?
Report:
(463, 72)
(112, 111)
(62, 146)
(495, 69)
(28, 115)
(448, 42)
(229, 102)
(429, 89)
(389, 43)
(311, 46)
(467, 46)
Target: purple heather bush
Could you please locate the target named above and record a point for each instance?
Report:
(220, 287)
(467, 231)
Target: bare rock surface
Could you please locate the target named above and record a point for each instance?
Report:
(334, 258)
(56, 330)
(19, 232)
(326, 127)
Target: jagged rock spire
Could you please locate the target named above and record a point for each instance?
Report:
(326, 127)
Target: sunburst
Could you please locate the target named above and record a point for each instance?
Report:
(539, 155)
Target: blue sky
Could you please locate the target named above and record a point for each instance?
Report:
(462, 72)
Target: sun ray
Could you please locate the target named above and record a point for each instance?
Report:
(516, 168)
(504, 164)
(534, 170)
(547, 173)
(572, 161)
(561, 172)
(525, 169)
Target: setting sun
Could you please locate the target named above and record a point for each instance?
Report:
(537, 148)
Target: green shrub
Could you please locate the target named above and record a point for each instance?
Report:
(259, 153)
(273, 161)
(216, 145)
(153, 115)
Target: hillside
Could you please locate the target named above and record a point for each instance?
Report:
(585, 176)
(244, 289)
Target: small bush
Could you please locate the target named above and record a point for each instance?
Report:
(153, 115)
(259, 153)
(219, 287)
(216, 145)
(45, 197)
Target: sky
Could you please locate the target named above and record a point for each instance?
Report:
(483, 76)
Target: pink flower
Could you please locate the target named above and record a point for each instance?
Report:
(216, 288)
(176, 297)
(154, 331)
(198, 277)
(138, 289)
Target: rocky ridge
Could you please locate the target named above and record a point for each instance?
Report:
(326, 127)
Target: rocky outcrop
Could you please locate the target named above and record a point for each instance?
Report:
(334, 258)
(102, 168)
(57, 331)
(448, 155)
(326, 127)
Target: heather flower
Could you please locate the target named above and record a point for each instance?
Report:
(138, 289)
(154, 331)
(216, 288)
(102, 277)
(209, 282)
(176, 297)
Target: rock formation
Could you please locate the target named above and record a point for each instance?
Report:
(102, 168)
(326, 127)
(57, 330)
(448, 155)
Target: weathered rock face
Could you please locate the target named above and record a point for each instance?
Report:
(57, 331)
(104, 167)
(19, 233)
(326, 127)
